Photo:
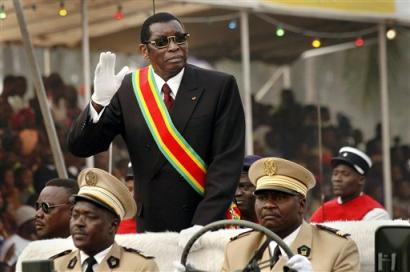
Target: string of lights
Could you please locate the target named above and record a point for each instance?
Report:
(3, 14)
(232, 23)
(317, 34)
(62, 11)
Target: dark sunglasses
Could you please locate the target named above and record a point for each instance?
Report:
(47, 207)
(164, 41)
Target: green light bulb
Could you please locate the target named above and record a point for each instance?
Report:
(280, 32)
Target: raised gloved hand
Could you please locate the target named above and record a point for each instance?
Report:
(186, 234)
(178, 267)
(299, 263)
(106, 83)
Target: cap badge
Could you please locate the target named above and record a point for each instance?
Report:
(270, 167)
(304, 251)
(344, 154)
(91, 179)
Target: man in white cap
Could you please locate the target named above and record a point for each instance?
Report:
(100, 204)
(26, 232)
(281, 189)
(350, 168)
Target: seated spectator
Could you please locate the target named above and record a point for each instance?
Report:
(244, 193)
(348, 179)
(128, 225)
(14, 245)
(24, 183)
(54, 208)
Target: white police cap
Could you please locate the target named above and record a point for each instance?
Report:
(354, 158)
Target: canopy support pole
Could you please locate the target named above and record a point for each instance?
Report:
(40, 92)
(384, 92)
(246, 71)
(85, 49)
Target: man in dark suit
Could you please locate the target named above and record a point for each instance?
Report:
(205, 108)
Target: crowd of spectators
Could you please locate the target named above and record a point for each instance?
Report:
(289, 130)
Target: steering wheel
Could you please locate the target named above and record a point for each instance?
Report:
(242, 223)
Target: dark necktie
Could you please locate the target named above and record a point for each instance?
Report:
(168, 100)
(275, 256)
(90, 261)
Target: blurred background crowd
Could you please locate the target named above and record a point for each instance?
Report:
(289, 130)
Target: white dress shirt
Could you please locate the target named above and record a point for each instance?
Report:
(288, 241)
(99, 257)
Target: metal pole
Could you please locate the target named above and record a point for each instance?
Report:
(86, 62)
(287, 83)
(384, 92)
(40, 92)
(246, 81)
(47, 61)
(110, 159)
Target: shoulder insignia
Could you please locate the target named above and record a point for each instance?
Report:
(133, 250)
(243, 234)
(113, 262)
(339, 233)
(65, 252)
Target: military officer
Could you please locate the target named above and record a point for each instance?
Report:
(100, 204)
(281, 189)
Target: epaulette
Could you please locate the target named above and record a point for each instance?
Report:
(65, 252)
(334, 231)
(133, 250)
(241, 235)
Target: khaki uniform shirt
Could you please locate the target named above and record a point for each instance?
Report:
(117, 259)
(326, 249)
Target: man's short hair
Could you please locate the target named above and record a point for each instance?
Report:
(162, 17)
(70, 185)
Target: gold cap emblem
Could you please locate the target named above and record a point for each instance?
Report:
(270, 167)
(91, 179)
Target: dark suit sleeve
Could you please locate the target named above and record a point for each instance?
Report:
(86, 138)
(227, 156)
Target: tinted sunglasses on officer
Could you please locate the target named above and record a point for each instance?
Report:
(164, 41)
(47, 207)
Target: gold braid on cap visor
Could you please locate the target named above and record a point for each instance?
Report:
(105, 197)
(279, 181)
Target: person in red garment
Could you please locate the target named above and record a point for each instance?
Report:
(128, 225)
(350, 168)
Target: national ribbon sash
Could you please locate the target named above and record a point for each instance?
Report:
(169, 140)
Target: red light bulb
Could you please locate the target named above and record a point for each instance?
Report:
(359, 42)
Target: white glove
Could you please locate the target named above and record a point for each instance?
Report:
(186, 234)
(178, 267)
(299, 263)
(106, 83)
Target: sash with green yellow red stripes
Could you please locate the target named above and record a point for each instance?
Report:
(170, 142)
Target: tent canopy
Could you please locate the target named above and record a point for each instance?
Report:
(207, 21)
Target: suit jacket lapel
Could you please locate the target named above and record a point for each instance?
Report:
(186, 100)
(266, 254)
(265, 258)
(77, 262)
(112, 258)
(304, 237)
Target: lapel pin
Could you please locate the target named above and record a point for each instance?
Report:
(304, 251)
(193, 98)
